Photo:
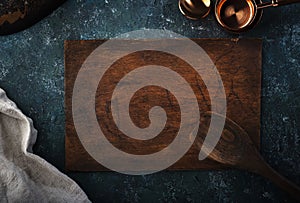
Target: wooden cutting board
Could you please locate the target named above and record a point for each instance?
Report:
(238, 62)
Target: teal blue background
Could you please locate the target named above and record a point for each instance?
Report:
(32, 73)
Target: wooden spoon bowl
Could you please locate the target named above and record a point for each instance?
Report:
(236, 149)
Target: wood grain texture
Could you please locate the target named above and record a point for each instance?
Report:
(238, 62)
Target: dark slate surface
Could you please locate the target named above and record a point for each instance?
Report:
(32, 73)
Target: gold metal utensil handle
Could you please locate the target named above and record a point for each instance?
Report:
(275, 3)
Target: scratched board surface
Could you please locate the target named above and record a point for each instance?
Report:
(239, 65)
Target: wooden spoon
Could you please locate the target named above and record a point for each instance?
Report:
(236, 149)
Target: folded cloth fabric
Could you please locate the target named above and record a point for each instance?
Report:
(25, 177)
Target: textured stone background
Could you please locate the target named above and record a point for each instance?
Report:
(32, 73)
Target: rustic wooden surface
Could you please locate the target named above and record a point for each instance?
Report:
(238, 62)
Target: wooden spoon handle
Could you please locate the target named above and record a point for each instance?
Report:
(264, 169)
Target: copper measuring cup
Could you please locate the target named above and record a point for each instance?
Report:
(238, 15)
(233, 15)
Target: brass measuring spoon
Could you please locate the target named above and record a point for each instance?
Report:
(194, 9)
(236, 149)
(237, 16)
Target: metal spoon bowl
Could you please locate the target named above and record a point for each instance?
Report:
(194, 9)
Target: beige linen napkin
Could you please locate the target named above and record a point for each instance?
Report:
(25, 177)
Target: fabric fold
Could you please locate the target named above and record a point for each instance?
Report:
(24, 176)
